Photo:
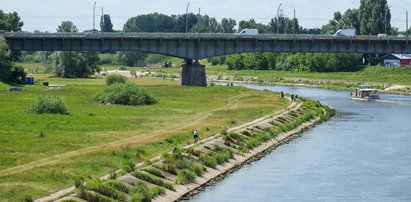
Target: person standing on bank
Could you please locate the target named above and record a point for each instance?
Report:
(282, 94)
(195, 134)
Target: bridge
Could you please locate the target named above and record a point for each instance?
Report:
(196, 46)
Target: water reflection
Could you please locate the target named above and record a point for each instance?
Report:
(362, 154)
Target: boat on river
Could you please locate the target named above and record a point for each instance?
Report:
(365, 94)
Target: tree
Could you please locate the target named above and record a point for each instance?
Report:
(154, 22)
(130, 58)
(227, 25)
(71, 64)
(207, 25)
(67, 26)
(10, 22)
(9, 73)
(375, 17)
(105, 23)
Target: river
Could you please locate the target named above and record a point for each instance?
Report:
(361, 154)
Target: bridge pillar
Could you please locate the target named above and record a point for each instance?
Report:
(193, 74)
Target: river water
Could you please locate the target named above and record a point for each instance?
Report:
(361, 154)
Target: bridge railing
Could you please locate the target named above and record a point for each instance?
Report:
(160, 35)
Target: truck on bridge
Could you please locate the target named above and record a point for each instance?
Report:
(248, 32)
(343, 33)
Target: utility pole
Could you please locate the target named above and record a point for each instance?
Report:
(187, 16)
(278, 18)
(94, 16)
(406, 21)
(294, 22)
(199, 16)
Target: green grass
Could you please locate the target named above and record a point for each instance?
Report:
(155, 129)
(153, 179)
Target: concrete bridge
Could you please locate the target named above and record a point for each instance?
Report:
(196, 46)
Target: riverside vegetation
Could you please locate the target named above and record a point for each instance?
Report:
(183, 166)
(43, 153)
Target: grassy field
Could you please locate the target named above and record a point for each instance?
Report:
(94, 139)
(368, 74)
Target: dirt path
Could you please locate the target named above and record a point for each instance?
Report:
(232, 103)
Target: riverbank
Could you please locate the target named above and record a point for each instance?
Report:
(348, 86)
(184, 171)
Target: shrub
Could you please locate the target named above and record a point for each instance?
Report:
(185, 176)
(152, 179)
(140, 192)
(78, 182)
(28, 198)
(126, 94)
(156, 191)
(154, 171)
(119, 185)
(115, 78)
(208, 161)
(93, 196)
(49, 105)
(105, 189)
(168, 167)
(198, 169)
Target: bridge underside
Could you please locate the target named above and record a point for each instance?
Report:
(205, 48)
(199, 46)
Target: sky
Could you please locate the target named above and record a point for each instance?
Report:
(46, 15)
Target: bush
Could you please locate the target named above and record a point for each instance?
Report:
(105, 189)
(154, 171)
(141, 192)
(107, 58)
(119, 185)
(115, 78)
(152, 179)
(126, 94)
(50, 105)
(156, 191)
(185, 176)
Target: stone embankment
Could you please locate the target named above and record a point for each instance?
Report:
(185, 171)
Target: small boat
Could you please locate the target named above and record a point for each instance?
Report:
(364, 94)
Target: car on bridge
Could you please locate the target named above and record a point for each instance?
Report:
(383, 36)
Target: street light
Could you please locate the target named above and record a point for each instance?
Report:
(186, 16)
(278, 18)
(94, 16)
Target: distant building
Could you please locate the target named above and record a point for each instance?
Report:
(397, 60)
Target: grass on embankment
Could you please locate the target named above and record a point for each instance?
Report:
(378, 75)
(114, 131)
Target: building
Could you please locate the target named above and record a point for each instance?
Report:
(397, 60)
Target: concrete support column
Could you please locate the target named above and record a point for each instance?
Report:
(193, 74)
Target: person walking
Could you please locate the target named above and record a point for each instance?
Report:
(195, 134)
(292, 97)
(282, 94)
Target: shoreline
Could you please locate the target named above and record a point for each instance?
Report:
(305, 85)
(256, 157)
(213, 176)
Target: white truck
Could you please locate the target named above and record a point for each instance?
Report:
(344, 33)
(248, 32)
